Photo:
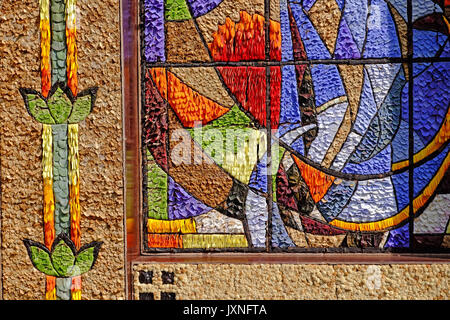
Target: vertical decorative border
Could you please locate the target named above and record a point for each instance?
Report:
(60, 108)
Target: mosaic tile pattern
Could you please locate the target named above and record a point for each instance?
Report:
(318, 129)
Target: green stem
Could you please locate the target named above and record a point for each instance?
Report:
(58, 52)
(61, 192)
(58, 56)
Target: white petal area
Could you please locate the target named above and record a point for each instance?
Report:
(293, 135)
(435, 217)
(287, 161)
(381, 77)
(328, 122)
(347, 149)
(257, 216)
(317, 215)
(373, 200)
(215, 222)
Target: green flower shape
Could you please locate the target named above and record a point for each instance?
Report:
(60, 106)
(63, 261)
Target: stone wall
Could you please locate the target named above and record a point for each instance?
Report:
(100, 147)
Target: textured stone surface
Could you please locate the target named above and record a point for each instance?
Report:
(101, 187)
(296, 281)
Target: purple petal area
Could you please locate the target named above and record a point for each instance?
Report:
(345, 45)
(201, 7)
(182, 205)
(154, 31)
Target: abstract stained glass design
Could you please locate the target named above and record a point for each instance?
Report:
(284, 125)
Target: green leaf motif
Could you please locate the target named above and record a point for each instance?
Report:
(40, 258)
(60, 106)
(81, 109)
(63, 259)
(84, 261)
(38, 109)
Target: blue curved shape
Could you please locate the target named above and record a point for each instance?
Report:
(201, 7)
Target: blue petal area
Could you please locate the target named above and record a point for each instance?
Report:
(182, 205)
(401, 7)
(418, 143)
(258, 178)
(346, 47)
(384, 126)
(381, 163)
(400, 144)
(355, 14)
(280, 237)
(424, 173)
(315, 48)
(327, 83)
(340, 4)
(446, 51)
(286, 39)
(382, 40)
(421, 8)
(289, 108)
(420, 67)
(405, 102)
(431, 100)
(201, 7)
(367, 107)
(299, 146)
(307, 4)
(336, 198)
(401, 187)
(427, 43)
(398, 238)
(381, 77)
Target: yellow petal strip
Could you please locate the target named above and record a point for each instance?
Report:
(205, 241)
(74, 185)
(49, 201)
(50, 289)
(171, 226)
(441, 137)
(74, 200)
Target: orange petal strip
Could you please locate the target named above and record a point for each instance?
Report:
(44, 26)
(165, 240)
(71, 35)
(50, 288)
(317, 181)
(76, 288)
(189, 105)
(160, 78)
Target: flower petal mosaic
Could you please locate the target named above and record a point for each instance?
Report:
(295, 125)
